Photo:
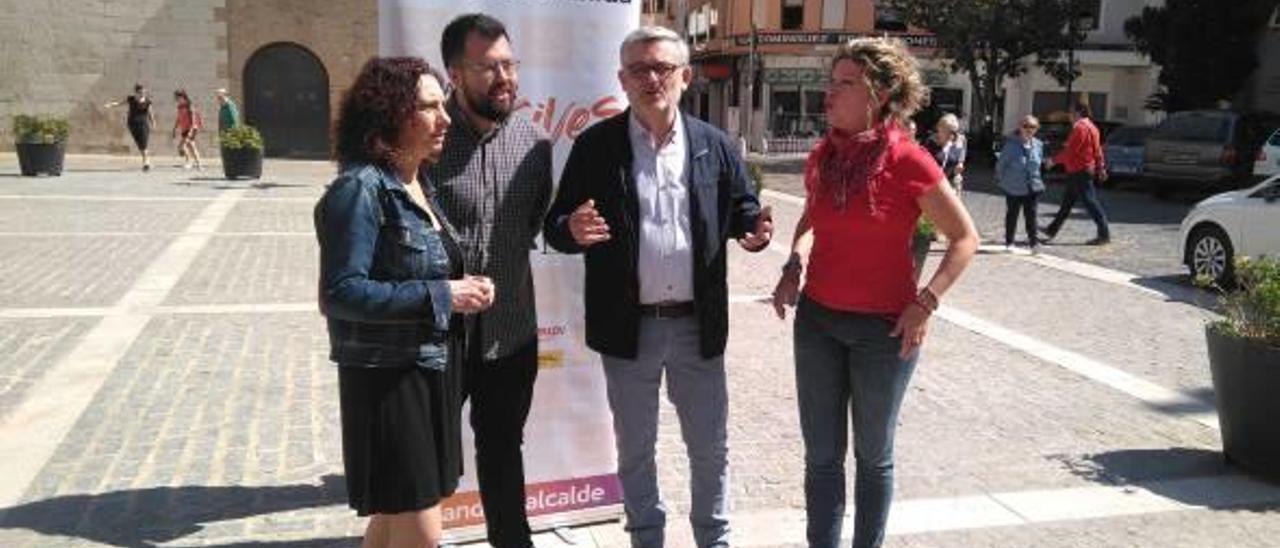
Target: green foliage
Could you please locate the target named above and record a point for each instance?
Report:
(925, 227)
(1206, 49)
(1253, 310)
(757, 176)
(241, 136)
(46, 130)
(991, 40)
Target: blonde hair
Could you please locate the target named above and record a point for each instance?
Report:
(1029, 119)
(890, 72)
(949, 121)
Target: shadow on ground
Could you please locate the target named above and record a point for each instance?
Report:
(144, 518)
(1155, 469)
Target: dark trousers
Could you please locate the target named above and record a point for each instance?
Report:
(1027, 205)
(501, 392)
(1080, 186)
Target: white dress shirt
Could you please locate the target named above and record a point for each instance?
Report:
(666, 238)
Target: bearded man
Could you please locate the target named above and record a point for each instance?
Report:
(494, 183)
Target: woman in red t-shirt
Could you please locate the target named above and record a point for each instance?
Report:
(185, 127)
(860, 321)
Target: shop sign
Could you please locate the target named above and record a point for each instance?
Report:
(795, 76)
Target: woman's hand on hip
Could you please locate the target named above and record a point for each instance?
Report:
(912, 325)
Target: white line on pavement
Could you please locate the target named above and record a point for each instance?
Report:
(251, 308)
(32, 432)
(1159, 397)
(1151, 393)
(909, 517)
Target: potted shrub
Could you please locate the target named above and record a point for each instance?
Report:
(41, 143)
(924, 236)
(241, 152)
(1244, 358)
(757, 176)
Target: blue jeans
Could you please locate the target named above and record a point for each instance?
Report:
(697, 389)
(847, 365)
(1081, 186)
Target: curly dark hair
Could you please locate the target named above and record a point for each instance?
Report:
(376, 107)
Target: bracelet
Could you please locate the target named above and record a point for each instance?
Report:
(927, 300)
(792, 264)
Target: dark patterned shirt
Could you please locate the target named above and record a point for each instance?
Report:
(494, 189)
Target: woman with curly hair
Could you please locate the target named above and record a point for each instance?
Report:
(391, 284)
(860, 319)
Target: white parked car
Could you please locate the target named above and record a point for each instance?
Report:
(1267, 163)
(1224, 226)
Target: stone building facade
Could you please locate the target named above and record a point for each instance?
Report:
(284, 61)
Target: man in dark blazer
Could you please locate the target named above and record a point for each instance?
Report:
(651, 197)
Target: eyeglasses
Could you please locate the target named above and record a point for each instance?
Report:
(1030, 127)
(507, 66)
(642, 70)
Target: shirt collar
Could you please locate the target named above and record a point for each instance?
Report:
(641, 135)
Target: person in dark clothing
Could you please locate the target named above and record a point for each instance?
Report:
(140, 120)
(392, 285)
(494, 184)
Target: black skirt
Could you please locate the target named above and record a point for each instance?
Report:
(141, 132)
(401, 437)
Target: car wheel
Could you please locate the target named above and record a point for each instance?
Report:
(1209, 253)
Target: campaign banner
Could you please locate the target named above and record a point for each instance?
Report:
(568, 53)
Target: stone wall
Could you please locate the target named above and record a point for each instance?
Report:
(343, 34)
(68, 57)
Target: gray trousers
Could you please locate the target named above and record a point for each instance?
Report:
(696, 387)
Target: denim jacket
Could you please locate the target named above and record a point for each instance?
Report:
(1018, 171)
(383, 273)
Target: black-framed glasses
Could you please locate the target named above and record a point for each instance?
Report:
(507, 66)
(661, 70)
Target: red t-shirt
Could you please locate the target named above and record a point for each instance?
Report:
(1083, 149)
(860, 261)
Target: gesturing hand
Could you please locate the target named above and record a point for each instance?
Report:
(471, 294)
(759, 238)
(587, 225)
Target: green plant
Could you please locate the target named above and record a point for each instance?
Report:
(1252, 310)
(45, 130)
(241, 136)
(924, 227)
(757, 175)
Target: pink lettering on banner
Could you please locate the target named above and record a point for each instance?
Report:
(463, 509)
(570, 121)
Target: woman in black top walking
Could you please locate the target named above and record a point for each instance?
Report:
(140, 120)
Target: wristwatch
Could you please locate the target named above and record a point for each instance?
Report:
(792, 264)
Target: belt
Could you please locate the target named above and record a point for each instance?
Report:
(667, 310)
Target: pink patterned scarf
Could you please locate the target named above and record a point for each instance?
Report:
(849, 164)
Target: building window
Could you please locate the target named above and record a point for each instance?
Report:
(1275, 18)
(797, 111)
(655, 6)
(833, 12)
(792, 14)
(889, 19)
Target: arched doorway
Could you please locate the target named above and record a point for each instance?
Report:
(286, 96)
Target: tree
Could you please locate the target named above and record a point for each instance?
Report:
(1206, 49)
(991, 40)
